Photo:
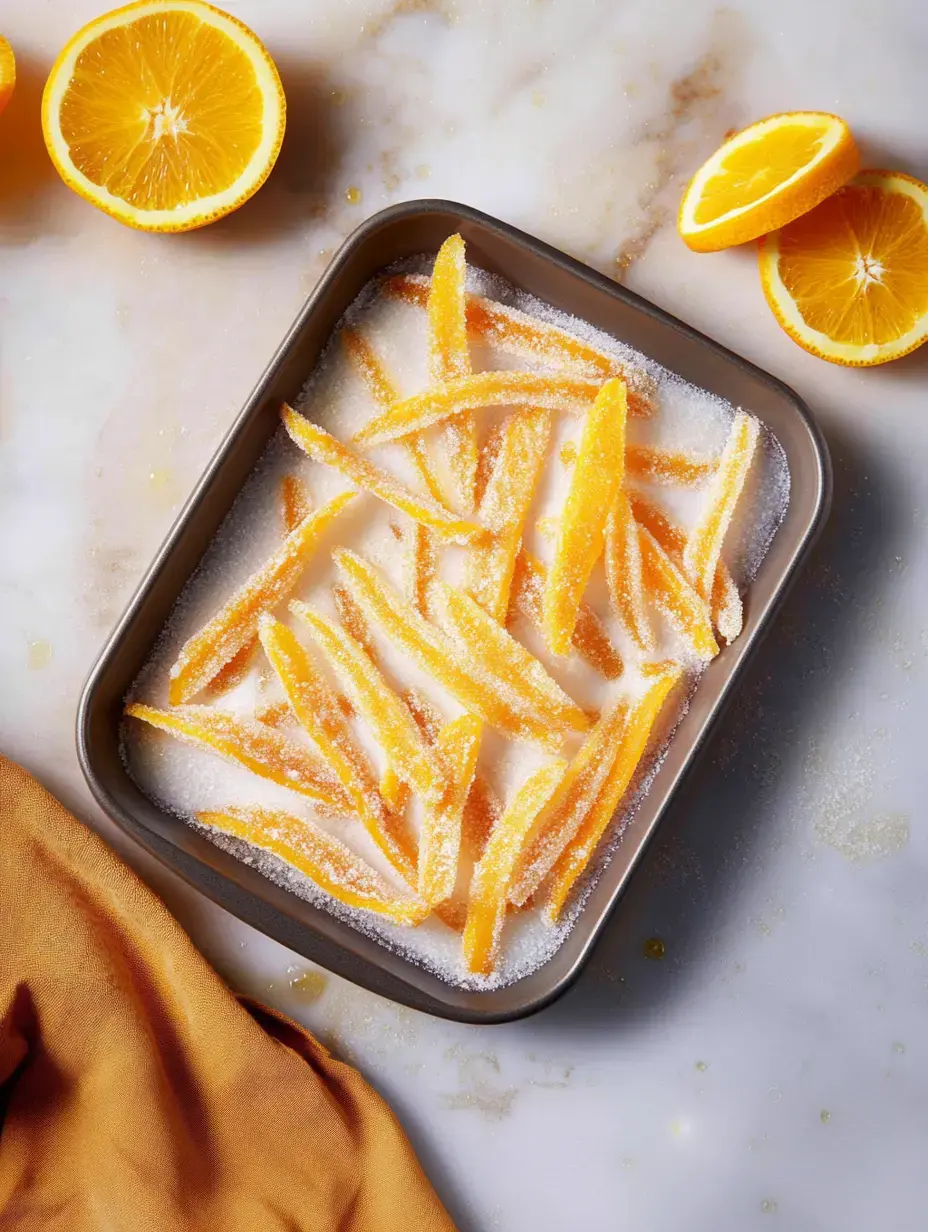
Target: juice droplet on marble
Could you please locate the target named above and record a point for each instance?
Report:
(353, 195)
(39, 654)
(654, 948)
(702, 1066)
(769, 1206)
(824, 1116)
(423, 171)
(308, 986)
(898, 1047)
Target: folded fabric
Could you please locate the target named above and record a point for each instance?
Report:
(137, 1094)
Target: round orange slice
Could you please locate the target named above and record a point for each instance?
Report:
(849, 281)
(764, 177)
(167, 114)
(7, 72)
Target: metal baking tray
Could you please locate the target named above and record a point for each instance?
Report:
(398, 232)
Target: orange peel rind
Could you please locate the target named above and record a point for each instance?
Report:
(674, 595)
(623, 573)
(667, 467)
(440, 837)
(449, 360)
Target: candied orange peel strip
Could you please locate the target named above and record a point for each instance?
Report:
(295, 504)
(631, 748)
(704, 546)
(668, 467)
(594, 482)
(674, 595)
(489, 889)
(440, 837)
(491, 648)
(590, 639)
(412, 758)
(506, 501)
(316, 708)
(262, 750)
(726, 606)
(435, 654)
(236, 623)
(423, 566)
(517, 333)
(449, 360)
(473, 393)
(231, 674)
(321, 857)
(622, 557)
(326, 449)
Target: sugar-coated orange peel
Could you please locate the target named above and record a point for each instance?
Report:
(323, 447)
(492, 878)
(423, 566)
(437, 655)
(393, 727)
(622, 556)
(316, 708)
(704, 546)
(440, 836)
(667, 467)
(631, 748)
(472, 393)
(231, 674)
(590, 639)
(595, 479)
(260, 749)
(236, 623)
(294, 502)
(675, 596)
(449, 360)
(324, 859)
(518, 334)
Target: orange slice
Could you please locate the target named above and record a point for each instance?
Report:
(7, 72)
(623, 573)
(262, 750)
(449, 360)
(167, 114)
(849, 281)
(325, 860)
(674, 595)
(663, 466)
(493, 874)
(295, 504)
(440, 838)
(764, 177)
(594, 482)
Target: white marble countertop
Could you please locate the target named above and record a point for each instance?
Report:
(772, 1070)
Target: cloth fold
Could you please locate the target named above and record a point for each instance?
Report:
(137, 1094)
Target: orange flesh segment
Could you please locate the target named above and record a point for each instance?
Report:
(578, 791)
(411, 757)
(449, 360)
(590, 639)
(493, 873)
(323, 447)
(666, 467)
(236, 623)
(317, 710)
(322, 858)
(435, 654)
(440, 838)
(595, 479)
(473, 393)
(516, 333)
(384, 392)
(632, 745)
(623, 573)
(295, 504)
(506, 501)
(674, 595)
(488, 645)
(262, 750)
(704, 546)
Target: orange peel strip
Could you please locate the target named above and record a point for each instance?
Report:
(412, 758)
(449, 360)
(352, 617)
(440, 837)
(316, 707)
(231, 674)
(295, 504)
(674, 595)
(622, 557)
(436, 655)
(634, 740)
(323, 447)
(472, 393)
(489, 888)
(517, 333)
(590, 639)
(576, 794)
(236, 623)
(666, 467)
(506, 501)
(262, 750)
(704, 546)
(394, 791)
(488, 645)
(595, 480)
(423, 566)
(321, 857)
(384, 392)
(726, 606)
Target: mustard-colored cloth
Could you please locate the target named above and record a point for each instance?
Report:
(137, 1094)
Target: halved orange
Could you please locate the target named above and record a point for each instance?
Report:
(7, 72)
(166, 114)
(849, 281)
(764, 177)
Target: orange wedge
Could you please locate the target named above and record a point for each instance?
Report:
(849, 281)
(764, 177)
(167, 114)
(7, 72)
